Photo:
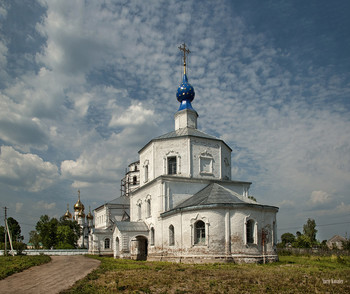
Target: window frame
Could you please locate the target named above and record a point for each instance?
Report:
(172, 165)
(152, 237)
(250, 237)
(107, 241)
(171, 235)
(148, 206)
(199, 233)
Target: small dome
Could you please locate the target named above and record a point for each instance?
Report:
(90, 216)
(67, 215)
(185, 91)
(81, 214)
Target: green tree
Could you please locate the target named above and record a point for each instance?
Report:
(346, 245)
(61, 234)
(302, 241)
(310, 230)
(35, 239)
(70, 232)
(15, 230)
(2, 234)
(287, 238)
(47, 230)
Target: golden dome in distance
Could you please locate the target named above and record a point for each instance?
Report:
(67, 215)
(89, 215)
(79, 206)
(81, 214)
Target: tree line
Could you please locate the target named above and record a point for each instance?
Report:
(307, 239)
(49, 233)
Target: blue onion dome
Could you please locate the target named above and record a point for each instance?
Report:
(185, 94)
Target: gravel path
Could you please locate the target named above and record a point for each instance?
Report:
(59, 274)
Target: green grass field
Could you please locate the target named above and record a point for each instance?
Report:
(292, 274)
(14, 264)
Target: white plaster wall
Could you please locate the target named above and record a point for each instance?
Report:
(174, 147)
(226, 162)
(206, 148)
(146, 157)
(178, 192)
(100, 217)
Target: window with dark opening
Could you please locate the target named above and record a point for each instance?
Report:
(199, 233)
(107, 243)
(152, 236)
(250, 231)
(172, 165)
(134, 180)
(171, 235)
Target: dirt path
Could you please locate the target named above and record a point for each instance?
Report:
(59, 274)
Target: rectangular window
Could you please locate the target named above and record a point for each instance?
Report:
(172, 165)
(206, 165)
(146, 173)
(139, 211)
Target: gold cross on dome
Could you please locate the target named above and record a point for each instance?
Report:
(184, 51)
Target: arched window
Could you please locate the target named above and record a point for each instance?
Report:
(148, 207)
(107, 243)
(250, 231)
(146, 170)
(139, 210)
(152, 236)
(171, 236)
(199, 237)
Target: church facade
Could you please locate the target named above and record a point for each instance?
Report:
(183, 204)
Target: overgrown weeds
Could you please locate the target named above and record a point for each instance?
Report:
(292, 274)
(14, 264)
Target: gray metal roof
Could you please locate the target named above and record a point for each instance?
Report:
(183, 132)
(214, 194)
(186, 132)
(120, 200)
(131, 226)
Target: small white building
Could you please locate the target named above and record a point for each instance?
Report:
(184, 206)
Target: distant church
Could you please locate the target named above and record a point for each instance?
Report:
(179, 203)
(85, 222)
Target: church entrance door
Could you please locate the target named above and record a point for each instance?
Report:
(142, 246)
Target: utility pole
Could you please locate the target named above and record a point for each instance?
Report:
(5, 252)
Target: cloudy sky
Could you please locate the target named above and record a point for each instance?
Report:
(85, 84)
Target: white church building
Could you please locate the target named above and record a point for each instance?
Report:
(180, 204)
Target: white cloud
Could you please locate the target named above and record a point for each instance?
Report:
(26, 171)
(43, 206)
(286, 203)
(19, 206)
(320, 197)
(135, 115)
(17, 128)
